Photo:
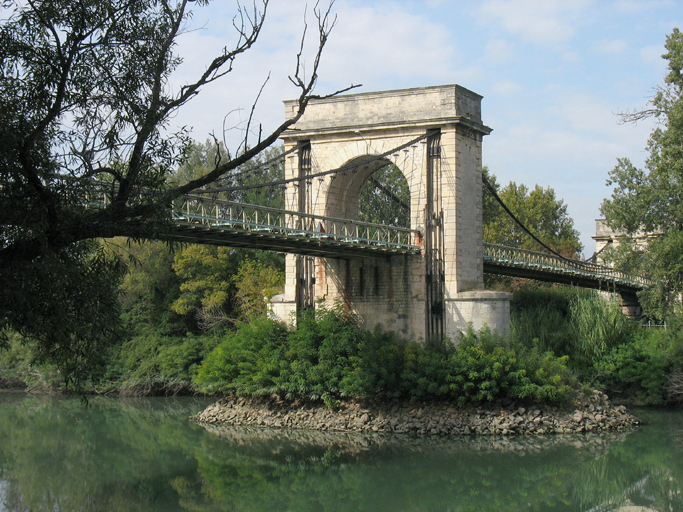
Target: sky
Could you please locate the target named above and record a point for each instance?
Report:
(554, 76)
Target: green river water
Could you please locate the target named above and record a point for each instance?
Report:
(57, 455)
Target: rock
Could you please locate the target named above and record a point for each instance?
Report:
(429, 418)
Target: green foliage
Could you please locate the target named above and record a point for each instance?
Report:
(329, 356)
(569, 322)
(245, 361)
(634, 363)
(599, 325)
(65, 306)
(85, 106)
(149, 288)
(256, 284)
(19, 368)
(255, 172)
(482, 368)
(385, 198)
(650, 200)
(198, 159)
(151, 363)
(206, 273)
(642, 368)
(220, 284)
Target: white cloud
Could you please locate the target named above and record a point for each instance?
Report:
(640, 6)
(372, 45)
(570, 146)
(537, 21)
(511, 51)
(381, 46)
(500, 50)
(506, 88)
(614, 46)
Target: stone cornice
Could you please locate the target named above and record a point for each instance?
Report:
(366, 129)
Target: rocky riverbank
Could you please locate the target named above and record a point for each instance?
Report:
(592, 413)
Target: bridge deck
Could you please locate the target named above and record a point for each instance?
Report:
(509, 261)
(238, 225)
(218, 222)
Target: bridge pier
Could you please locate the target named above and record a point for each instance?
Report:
(630, 305)
(391, 292)
(433, 135)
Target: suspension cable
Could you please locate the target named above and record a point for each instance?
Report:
(317, 175)
(519, 223)
(596, 254)
(252, 169)
(393, 197)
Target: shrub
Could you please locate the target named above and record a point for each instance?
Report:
(482, 368)
(152, 363)
(646, 367)
(330, 355)
(599, 325)
(249, 361)
(577, 323)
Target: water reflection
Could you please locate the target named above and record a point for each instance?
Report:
(143, 454)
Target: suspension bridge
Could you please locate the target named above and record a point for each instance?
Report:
(206, 220)
(423, 280)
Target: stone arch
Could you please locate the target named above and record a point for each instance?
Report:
(339, 192)
(344, 189)
(434, 136)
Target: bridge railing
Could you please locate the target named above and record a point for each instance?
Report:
(219, 212)
(519, 257)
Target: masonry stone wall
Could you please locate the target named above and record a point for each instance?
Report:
(391, 291)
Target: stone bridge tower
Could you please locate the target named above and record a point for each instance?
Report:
(438, 292)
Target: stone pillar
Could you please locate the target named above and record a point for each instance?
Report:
(393, 292)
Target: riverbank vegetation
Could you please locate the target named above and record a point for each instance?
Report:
(562, 340)
(193, 319)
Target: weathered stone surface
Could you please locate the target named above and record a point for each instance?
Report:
(368, 127)
(429, 418)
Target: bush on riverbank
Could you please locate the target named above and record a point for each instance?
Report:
(154, 364)
(646, 369)
(330, 356)
(568, 321)
(640, 365)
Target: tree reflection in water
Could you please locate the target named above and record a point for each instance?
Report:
(143, 454)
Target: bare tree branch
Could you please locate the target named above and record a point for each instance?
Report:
(245, 143)
(325, 25)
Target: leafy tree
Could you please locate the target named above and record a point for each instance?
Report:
(650, 200)
(266, 167)
(219, 284)
(206, 272)
(256, 284)
(538, 209)
(149, 288)
(385, 198)
(85, 99)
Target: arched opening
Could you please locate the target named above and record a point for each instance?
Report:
(385, 198)
(377, 192)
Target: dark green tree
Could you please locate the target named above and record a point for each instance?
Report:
(385, 198)
(85, 99)
(649, 201)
